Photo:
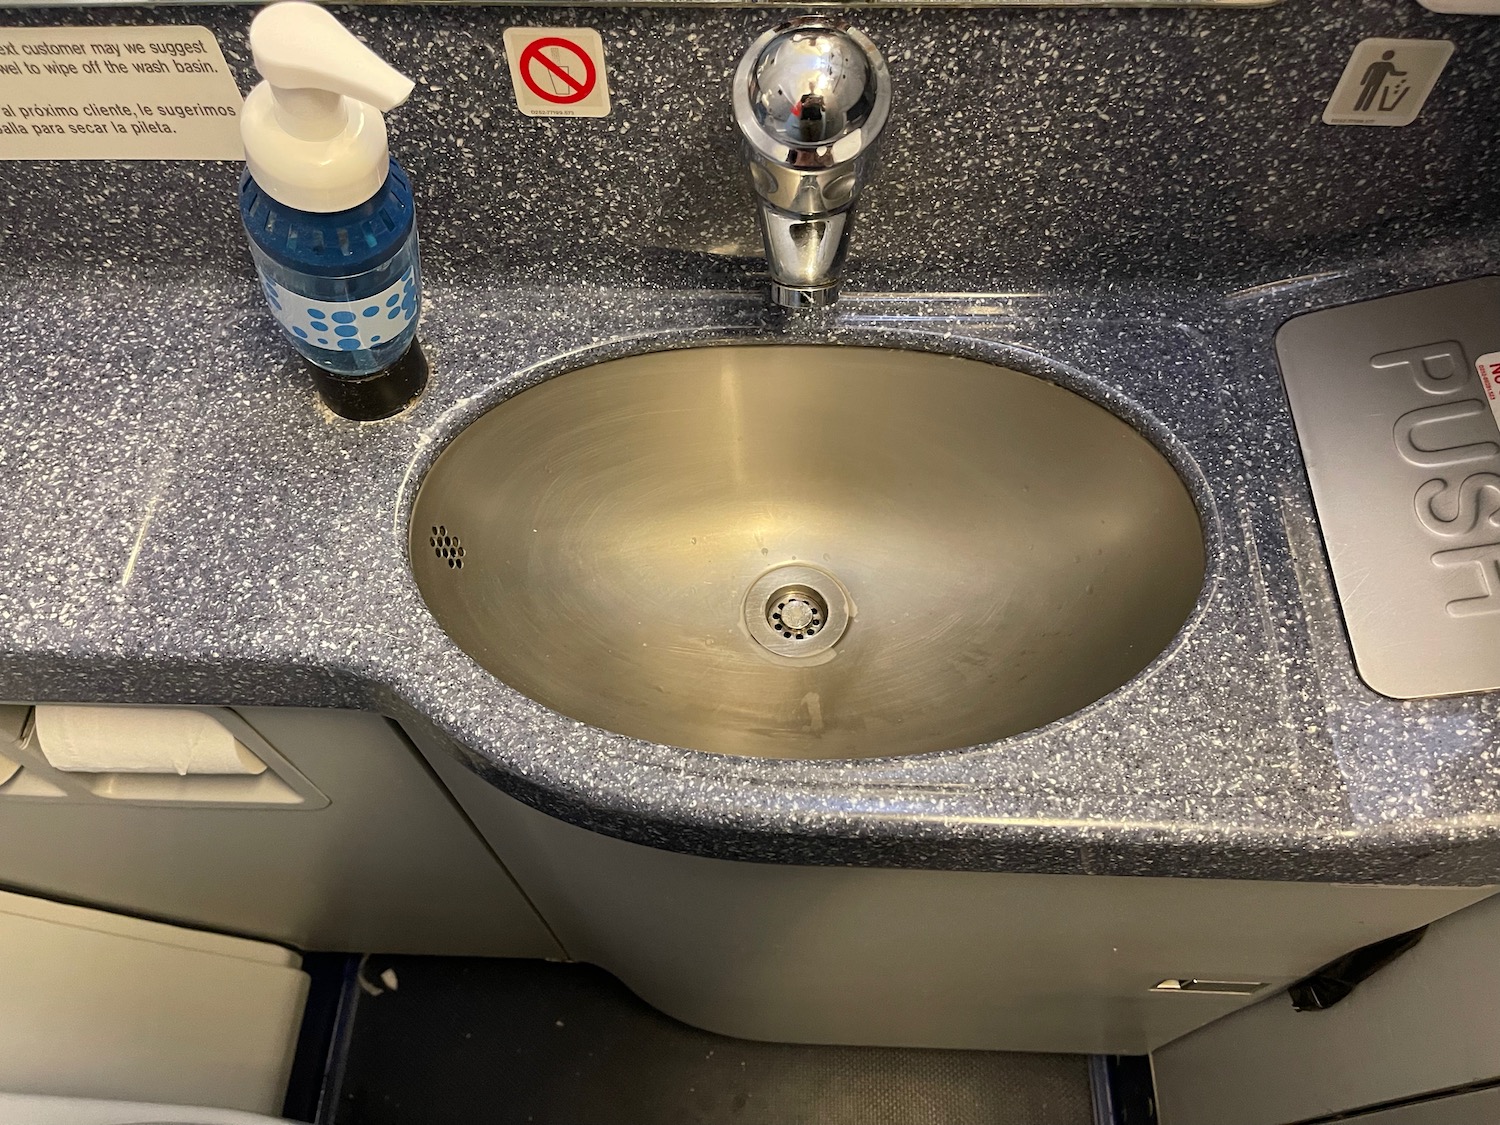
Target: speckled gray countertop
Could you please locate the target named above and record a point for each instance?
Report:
(185, 525)
(194, 529)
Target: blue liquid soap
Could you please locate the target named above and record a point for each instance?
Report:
(345, 286)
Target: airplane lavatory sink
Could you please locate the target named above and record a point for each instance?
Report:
(807, 551)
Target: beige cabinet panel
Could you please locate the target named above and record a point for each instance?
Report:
(390, 864)
(97, 1005)
(924, 958)
(1429, 1021)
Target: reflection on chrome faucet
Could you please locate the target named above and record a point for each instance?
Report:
(810, 98)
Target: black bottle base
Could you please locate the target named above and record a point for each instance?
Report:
(369, 398)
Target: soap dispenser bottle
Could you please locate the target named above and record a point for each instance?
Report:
(329, 214)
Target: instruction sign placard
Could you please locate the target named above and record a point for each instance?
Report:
(116, 93)
(558, 71)
(1386, 81)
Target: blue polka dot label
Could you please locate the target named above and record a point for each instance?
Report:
(345, 326)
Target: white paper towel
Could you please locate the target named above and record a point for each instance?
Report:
(8, 769)
(139, 740)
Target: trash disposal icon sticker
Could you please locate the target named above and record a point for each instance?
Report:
(1387, 81)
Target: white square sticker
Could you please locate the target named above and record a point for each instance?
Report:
(1387, 81)
(558, 71)
(1489, 377)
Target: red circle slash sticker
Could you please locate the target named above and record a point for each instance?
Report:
(562, 78)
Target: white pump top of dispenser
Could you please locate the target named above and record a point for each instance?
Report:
(313, 131)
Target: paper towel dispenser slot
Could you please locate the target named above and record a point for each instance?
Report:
(148, 756)
(26, 783)
(140, 740)
(15, 779)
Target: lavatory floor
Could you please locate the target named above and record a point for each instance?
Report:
(463, 1041)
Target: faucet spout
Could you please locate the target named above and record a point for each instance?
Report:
(811, 97)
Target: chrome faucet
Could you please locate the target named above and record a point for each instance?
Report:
(810, 98)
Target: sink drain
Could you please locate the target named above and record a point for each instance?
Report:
(796, 611)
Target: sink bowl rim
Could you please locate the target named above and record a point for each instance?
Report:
(454, 420)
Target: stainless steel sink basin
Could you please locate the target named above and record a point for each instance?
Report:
(805, 551)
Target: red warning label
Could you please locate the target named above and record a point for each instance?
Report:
(561, 80)
(558, 72)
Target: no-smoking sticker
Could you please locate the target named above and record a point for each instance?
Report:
(558, 71)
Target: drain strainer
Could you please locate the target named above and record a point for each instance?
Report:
(796, 611)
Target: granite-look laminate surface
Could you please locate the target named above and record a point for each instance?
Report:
(1128, 202)
(194, 528)
(1027, 150)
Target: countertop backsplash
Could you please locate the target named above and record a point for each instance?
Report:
(1027, 149)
